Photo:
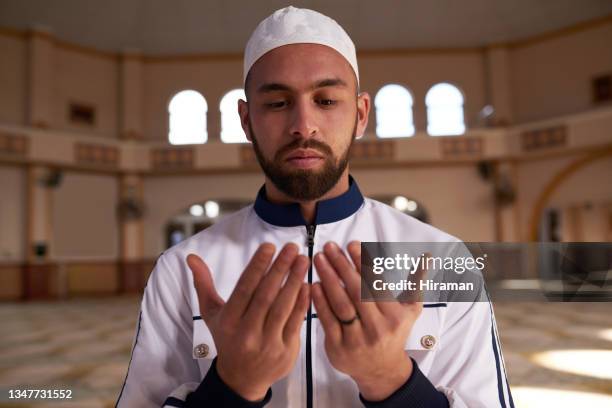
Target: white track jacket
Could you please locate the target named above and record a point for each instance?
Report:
(173, 349)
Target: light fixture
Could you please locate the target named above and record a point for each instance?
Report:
(196, 210)
(212, 209)
(400, 203)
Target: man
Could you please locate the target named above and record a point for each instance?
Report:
(226, 323)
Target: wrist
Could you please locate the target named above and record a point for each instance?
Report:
(250, 392)
(383, 386)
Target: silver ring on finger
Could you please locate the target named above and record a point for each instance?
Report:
(349, 321)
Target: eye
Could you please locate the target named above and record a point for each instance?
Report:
(326, 102)
(276, 104)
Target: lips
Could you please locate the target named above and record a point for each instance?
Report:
(304, 158)
(304, 154)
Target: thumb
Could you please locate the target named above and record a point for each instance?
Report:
(210, 301)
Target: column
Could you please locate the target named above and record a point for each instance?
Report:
(499, 85)
(41, 50)
(41, 276)
(133, 268)
(131, 96)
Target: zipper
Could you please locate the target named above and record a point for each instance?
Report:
(310, 230)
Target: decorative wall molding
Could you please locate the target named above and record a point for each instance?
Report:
(96, 155)
(545, 138)
(172, 158)
(460, 147)
(132, 135)
(14, 144)
(247, 157)
(568, 135)
(373, 150)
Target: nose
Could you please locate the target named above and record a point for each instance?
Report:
(303, 121)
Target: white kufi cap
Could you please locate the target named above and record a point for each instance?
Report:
(292, 25)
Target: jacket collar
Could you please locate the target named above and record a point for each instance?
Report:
(327, 211)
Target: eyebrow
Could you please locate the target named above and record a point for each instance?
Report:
(324, 83)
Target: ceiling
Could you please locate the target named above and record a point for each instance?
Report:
(163, 27)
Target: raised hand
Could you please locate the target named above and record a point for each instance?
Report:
(257, 332)
(362, 339)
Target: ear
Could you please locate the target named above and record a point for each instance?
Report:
(363, 112)
(243, 112)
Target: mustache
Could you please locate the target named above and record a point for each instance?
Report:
(304, 144)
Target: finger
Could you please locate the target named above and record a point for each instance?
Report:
(285, 301)
(250, 278)
(412, 297)
(410, 300)
(341, 304)
(328, 320)
(268, 288)
(384, 306)
(368, 312)
(296, 318)
(209, 300)
(339, 301)
(354, 250)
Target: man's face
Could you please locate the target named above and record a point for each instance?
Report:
(302, 116)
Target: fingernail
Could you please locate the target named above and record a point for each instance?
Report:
(332, 246)
(322, 258)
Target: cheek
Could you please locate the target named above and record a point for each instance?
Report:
(344, 118)
(340, 126)
(268, 134)
(267, 124)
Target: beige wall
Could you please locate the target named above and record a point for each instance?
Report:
(84, 218)
(419, 72)
(13, 78)
(553, 77)
(168, 196)
(588, 192)
(455, 198)
(547, 78)
(589, 184)
(88, 79)
(212, 78)
(13, 213)
(532, 176)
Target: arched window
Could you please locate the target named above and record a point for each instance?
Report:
(231, 131)
(394, 112)
(187, 111)
(444, 110)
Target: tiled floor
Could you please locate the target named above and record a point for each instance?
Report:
(84, 346)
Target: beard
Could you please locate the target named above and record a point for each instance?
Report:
(304, 184)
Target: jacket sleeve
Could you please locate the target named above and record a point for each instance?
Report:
(162, 366)
(469, 368)
(162, 371)
(417, 392)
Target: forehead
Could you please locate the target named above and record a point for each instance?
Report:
(300, 65)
